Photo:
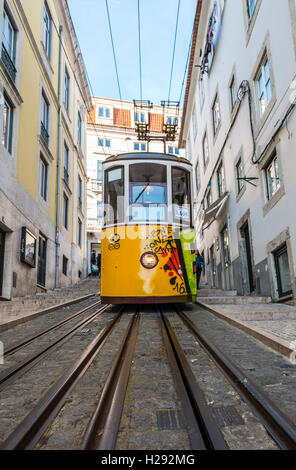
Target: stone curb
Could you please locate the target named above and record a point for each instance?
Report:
(22, 319)
(278, 344)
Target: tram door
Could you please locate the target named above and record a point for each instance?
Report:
(2, 244)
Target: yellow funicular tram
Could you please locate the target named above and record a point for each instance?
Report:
(148, 242)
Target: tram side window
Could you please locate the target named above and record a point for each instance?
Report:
(114, 195)
(148, 192)
(181, 196)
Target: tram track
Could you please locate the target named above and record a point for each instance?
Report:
(102, 425)
(30, 430)
(277, 424)
(12, 373)
(16, 346)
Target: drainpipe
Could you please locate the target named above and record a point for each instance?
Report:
(57, 235)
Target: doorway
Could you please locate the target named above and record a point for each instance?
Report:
(246, 259)
(213, 265)
(2, 246)
(225, 258)
(42, 249)
(283, 271)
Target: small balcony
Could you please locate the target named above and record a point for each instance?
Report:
(44, 134)
(94, 225)
(96, 185)
(9, 65)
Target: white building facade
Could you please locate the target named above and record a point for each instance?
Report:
(110, 131)
(239, 127)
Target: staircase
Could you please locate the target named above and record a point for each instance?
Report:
(219, 296)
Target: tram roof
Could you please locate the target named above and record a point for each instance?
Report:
(148, 156)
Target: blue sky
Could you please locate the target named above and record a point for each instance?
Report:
(158, 22)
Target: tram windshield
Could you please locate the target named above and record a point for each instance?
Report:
(148, 192)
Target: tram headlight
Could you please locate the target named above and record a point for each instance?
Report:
(149, 260)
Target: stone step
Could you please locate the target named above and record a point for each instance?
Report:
(239, 300)
(206, 292)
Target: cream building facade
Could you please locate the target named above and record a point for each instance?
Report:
(110, 131)
(239, 127)
(45, 101)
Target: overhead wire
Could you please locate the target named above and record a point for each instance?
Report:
(116, 68)
(75, 78)
(174, 50)
(140, 51)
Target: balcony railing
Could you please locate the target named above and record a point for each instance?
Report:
(9, 65)
(96, 185)
(44, 134)
(94, 225)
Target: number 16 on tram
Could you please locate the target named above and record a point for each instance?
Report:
(148, 240)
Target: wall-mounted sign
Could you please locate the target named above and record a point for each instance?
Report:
(28, 247)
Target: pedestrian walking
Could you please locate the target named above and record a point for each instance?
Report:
(99, 264)
(199, 267)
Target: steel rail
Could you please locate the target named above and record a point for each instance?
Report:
(277, 424)
(20, 368)
(103, 427)
(29, 339)
(30, 430)
(203, 431)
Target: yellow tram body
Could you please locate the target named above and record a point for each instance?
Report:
(142, 261)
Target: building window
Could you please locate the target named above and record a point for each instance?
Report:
(99, 171)
(44, 118)
(221, 180)
(8, 45)
(99, 209)
(65, 265)
(283, 271)
(66, 163)
(6, 139)
(239, 175)
(205, 150)
(173, 150)
(194, 123)
(104, 112)
(197, 176)
(43, 177)
(140, 117)
(172, 120)
(104, 142)
(201, 92)
(251, 5)
(140, 147)
(216, 115)
(233, 94)
(79, 192)
(67, 89)
(209, 198)
(263, 83)
(79, 129)
(79, 232)
(47, 28)
(272, 177)
(65, 210)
